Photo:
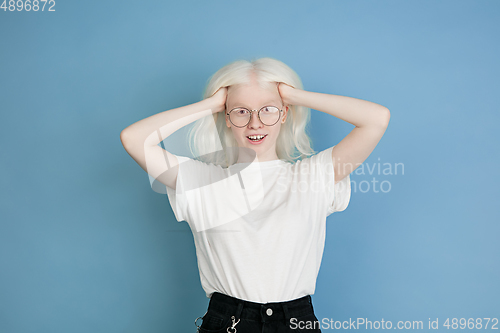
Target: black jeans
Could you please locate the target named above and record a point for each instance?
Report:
(233, 315)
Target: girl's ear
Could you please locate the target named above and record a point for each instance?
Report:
(286, 114)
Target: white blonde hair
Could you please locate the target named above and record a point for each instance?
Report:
(208, 134)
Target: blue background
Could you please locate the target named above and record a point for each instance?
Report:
(87, 246)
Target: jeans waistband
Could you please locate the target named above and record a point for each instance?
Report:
(229, 305)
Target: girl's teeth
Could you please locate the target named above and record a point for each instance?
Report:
(256, 137)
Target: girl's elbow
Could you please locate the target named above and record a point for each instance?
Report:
(385, 117)
(123, 137)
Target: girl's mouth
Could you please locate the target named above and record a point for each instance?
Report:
(256, 139)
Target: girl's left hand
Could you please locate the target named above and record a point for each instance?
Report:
(286, 92)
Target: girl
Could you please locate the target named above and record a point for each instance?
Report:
(256, 198)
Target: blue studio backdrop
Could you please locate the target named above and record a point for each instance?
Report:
(87, 246)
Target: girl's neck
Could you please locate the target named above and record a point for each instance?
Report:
(249, 156)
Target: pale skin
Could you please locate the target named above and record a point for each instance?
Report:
(253, 97)
(141, 139)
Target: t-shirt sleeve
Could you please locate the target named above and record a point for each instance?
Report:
(338, 194)
(199, 188)
(176, 197)
(191, 175)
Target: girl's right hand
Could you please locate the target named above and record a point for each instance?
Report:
(220, 98)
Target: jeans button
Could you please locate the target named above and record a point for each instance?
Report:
(269, 312)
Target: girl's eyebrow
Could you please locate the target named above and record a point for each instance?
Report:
(265, 104)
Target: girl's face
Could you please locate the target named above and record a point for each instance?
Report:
(253, 97)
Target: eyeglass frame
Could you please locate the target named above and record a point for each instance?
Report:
(258, 115)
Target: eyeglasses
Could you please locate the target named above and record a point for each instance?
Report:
(268, 115)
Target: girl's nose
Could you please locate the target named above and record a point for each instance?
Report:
(255, 121)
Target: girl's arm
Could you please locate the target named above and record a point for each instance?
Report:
(141, 139)
(371, 121)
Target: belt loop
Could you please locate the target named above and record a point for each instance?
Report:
(286, 313)
(239, 310)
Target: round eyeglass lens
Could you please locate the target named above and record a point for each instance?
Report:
(269, 115)
(239, 117)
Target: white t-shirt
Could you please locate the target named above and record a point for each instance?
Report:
(259, 228)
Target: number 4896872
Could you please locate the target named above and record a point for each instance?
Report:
(28, 5)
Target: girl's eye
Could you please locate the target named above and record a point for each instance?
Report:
(270, 109)
(241, 112)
